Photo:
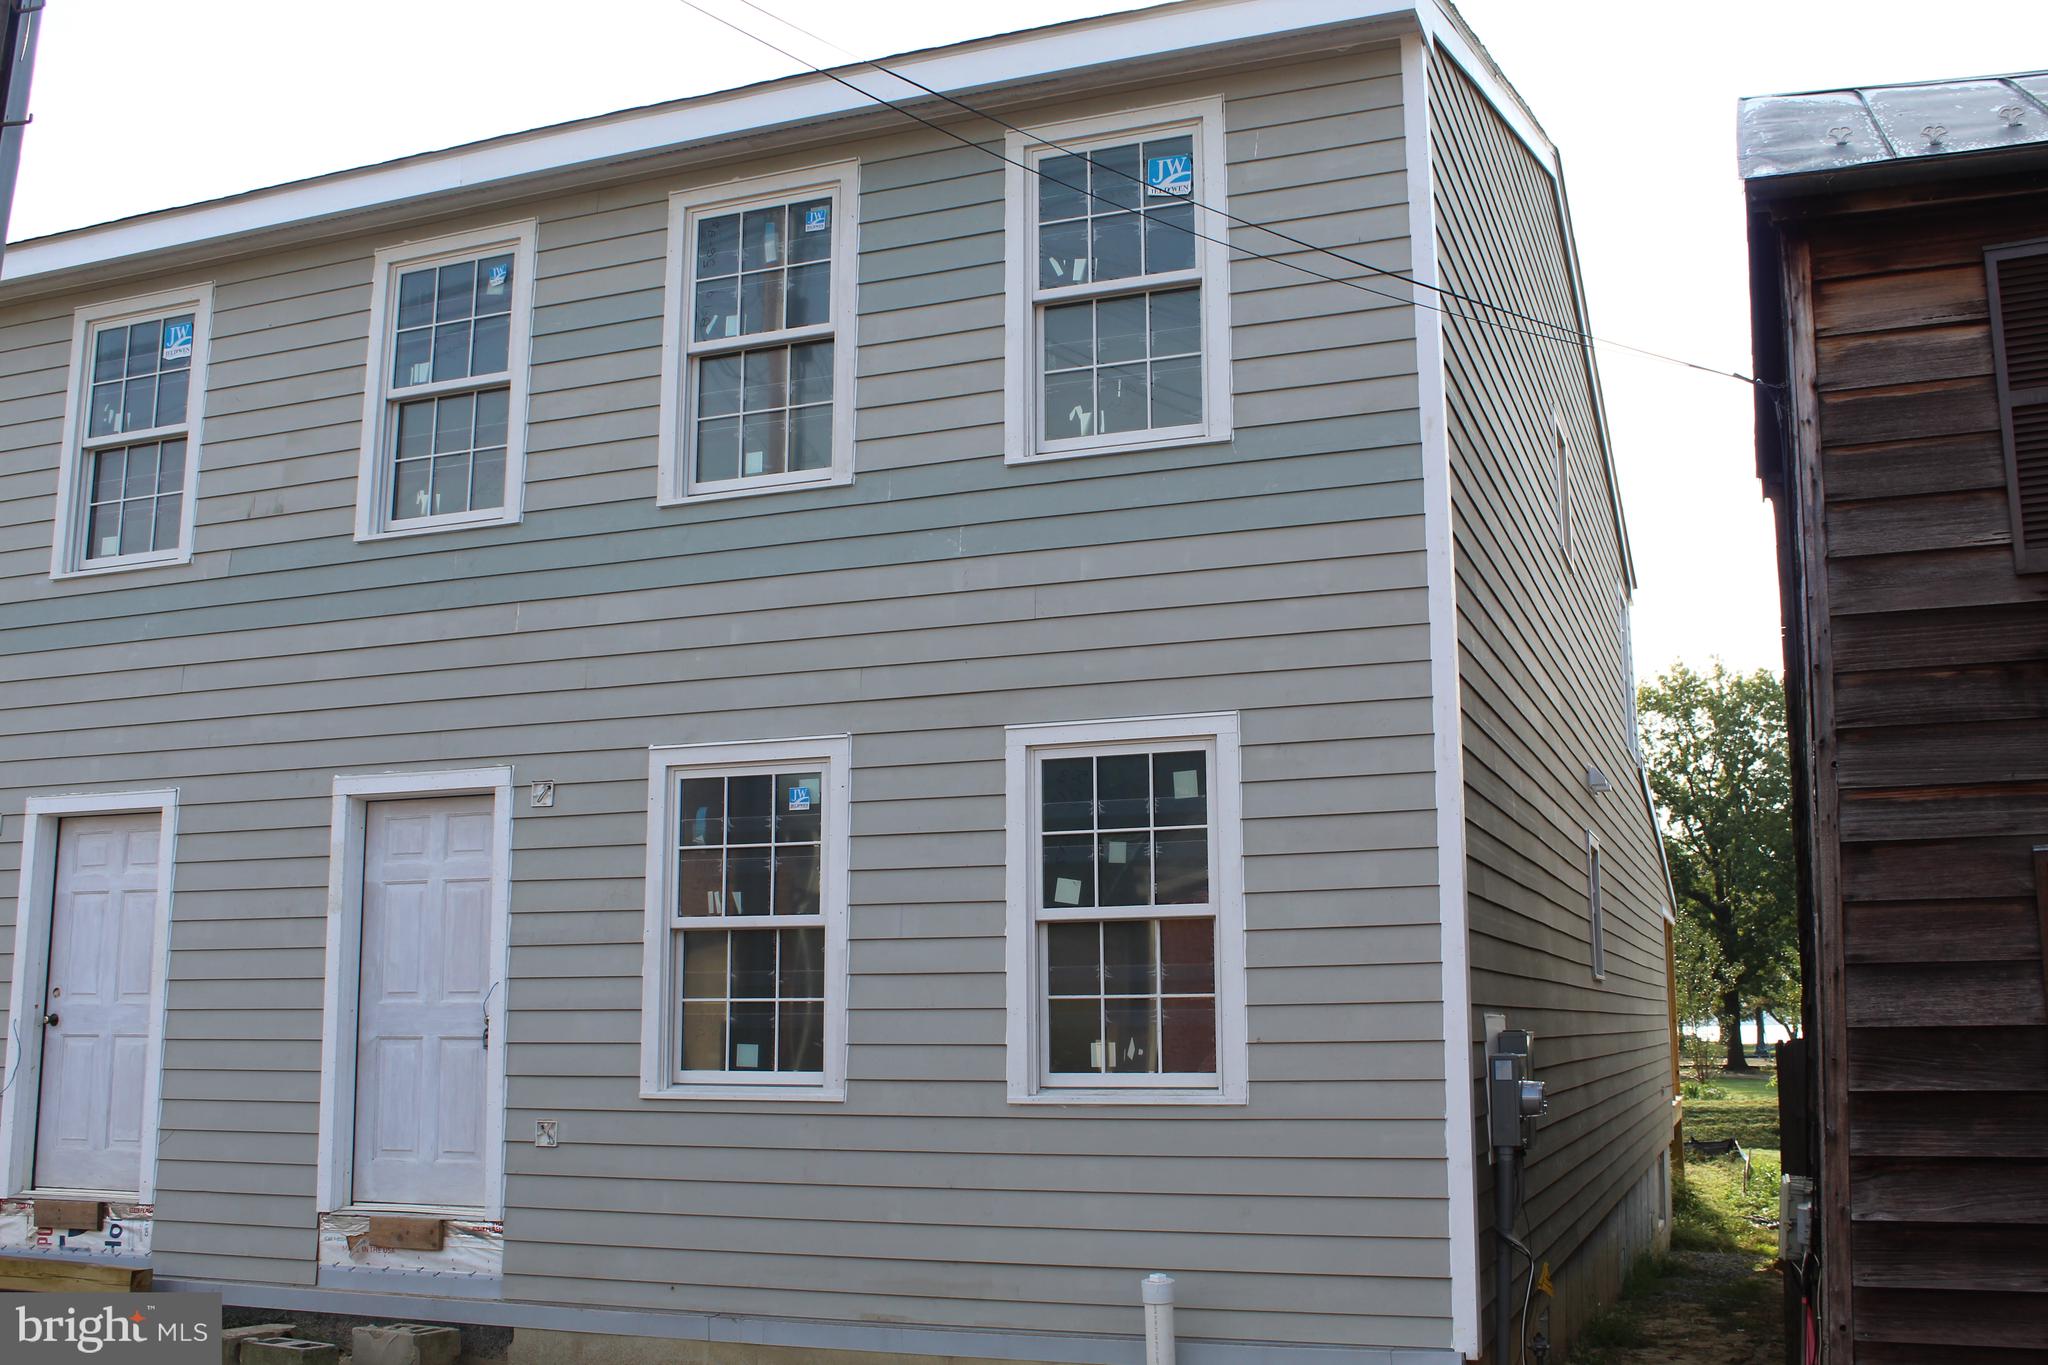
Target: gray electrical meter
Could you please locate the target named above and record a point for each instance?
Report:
(1514, 1101)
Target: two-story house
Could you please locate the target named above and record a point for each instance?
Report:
(766, 723)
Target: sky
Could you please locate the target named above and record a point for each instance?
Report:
(140, 105)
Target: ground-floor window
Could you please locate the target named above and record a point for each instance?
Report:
(1126, 915)
(746, 919)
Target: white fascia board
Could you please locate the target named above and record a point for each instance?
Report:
(1035, 54)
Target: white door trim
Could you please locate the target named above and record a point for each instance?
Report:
(34, 908)
(353, 793)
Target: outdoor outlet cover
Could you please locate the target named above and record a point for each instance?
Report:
(543, 794)
(544, 1133)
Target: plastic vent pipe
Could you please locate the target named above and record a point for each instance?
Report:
(1157, 1291)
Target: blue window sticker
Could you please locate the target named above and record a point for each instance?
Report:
(496, 276)
(817, 218)
(177, 340)
(800, 797)
(1174, 175)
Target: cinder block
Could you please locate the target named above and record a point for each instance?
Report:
(406, 1343)
(289, 1351)
(231, 1340)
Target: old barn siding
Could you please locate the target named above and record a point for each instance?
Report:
(1939, 694)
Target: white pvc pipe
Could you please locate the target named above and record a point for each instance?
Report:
(1157, 1292)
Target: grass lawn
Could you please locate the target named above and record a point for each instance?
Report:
(1716, 1298)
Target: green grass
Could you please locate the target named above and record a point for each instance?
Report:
(1749, 1114)
(1719, 1277)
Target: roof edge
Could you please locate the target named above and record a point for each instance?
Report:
(803, 100)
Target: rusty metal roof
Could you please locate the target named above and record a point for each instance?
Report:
(1834, 130)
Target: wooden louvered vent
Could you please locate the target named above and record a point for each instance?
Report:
(2019, 341)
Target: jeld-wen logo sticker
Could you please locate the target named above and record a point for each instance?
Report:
(110, 1329)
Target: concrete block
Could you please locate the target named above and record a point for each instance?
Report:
(231, 1340)
(406, 1343)
(289, 1351)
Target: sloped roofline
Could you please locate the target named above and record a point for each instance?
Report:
(801, 104)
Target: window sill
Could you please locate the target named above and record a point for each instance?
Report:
(437, 526)
(1135, 1095)
(828, 479)
(778, 1094)
(1119, 447)
(124, 564)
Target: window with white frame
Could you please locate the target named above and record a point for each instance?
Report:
(1126, 913)
(1562, 444)
(758, 362)
(444, 417)
(1120, 337)
(1628, 680)
(1596, 913)
(130, 466)
(746, 920)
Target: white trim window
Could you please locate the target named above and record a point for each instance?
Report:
(130, 468)
(1126, 967)
(1628, 680)
(444, 407)
(1119, 324)
(758, 342)
(1596, 909)
(745, 989)
(1562, 440)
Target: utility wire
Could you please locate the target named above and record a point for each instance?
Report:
(1566, 333)
(913, 115)
(1556, 331)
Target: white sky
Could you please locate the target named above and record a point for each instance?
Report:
(141, 104)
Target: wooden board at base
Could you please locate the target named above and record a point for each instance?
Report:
(406, 1234)
(39, 1276)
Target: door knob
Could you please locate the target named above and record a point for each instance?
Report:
(50, 1021)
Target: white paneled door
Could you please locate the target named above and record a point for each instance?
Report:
(425, 982)
(95, 1017)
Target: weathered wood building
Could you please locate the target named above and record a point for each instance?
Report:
(1899, 254)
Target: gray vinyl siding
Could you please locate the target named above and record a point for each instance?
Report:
(1541, 671)
(940, 597)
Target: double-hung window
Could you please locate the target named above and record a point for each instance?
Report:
(130, 467)
(1119, 334)
(1126, 912)
(444, 420)
(746, 914)
(758, 360)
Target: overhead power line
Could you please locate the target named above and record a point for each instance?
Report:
(1553, 331)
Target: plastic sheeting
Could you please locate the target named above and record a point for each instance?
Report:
(124, 1238)
(472, 1248)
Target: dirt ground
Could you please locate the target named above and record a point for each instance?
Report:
(1709, 1308)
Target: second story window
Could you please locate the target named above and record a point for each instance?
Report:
(131, 453)
(757, 390)
(1124, 340)
(444, 428)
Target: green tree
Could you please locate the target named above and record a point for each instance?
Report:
(1701, 979)
(1721, 773)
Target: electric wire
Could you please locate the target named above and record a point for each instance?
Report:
(1558, 332)
(1565, 332)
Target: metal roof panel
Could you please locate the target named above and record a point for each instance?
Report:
(1831, 130)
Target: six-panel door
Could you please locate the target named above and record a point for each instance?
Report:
(95, 1014)
(420, 1039)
